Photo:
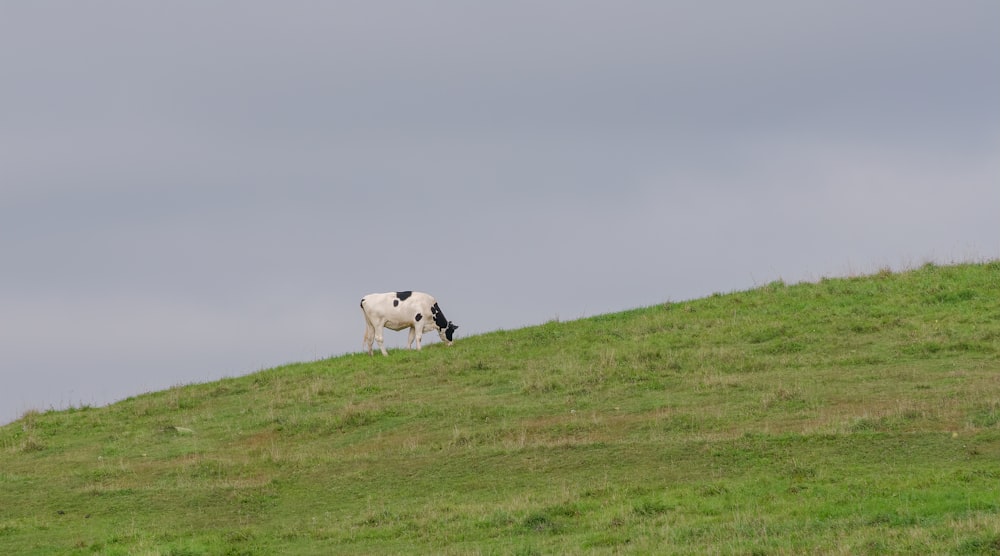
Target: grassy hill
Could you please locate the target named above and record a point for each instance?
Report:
(856, 415)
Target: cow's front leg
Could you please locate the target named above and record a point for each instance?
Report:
(417, 331)
(409, 338)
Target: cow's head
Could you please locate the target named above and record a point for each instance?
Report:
(446, 328)
(448, 332)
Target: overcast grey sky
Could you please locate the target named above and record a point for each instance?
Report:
(192, 190)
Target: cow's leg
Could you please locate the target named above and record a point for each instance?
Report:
(409, 339)
(380, 340)
(419, 334)
(369, 336)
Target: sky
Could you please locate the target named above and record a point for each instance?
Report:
(195, 190)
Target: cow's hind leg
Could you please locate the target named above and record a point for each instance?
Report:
(380, 340)
(369, 337)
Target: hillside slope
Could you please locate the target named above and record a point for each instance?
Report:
(855, 415)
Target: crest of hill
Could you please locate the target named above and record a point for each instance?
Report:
(544, 435)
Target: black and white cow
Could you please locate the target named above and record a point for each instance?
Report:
(398, 310)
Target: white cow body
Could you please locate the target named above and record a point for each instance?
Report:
(417, 311)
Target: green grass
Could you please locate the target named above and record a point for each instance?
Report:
(855, 415)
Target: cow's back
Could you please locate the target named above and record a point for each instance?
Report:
(398, 307)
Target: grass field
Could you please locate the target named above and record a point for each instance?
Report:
(849, 416)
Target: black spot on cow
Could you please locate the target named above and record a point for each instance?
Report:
(395, 303)
(403, 295)
(418, 317)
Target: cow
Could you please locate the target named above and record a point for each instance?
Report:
(398, 310)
